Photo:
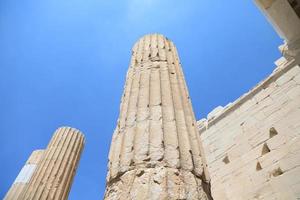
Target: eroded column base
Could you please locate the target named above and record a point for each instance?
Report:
(156, 183)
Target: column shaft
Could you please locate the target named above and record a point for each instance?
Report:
(24, 176)
(155, 151)
(55, 172)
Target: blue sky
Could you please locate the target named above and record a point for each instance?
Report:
(64, 63)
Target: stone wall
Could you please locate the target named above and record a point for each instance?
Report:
(252, 146)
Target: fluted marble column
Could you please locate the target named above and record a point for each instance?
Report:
(155, 151)
(54, 174)
(24, 176)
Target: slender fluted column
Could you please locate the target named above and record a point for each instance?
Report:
(54, 174)
(155, 151)
(24, 176)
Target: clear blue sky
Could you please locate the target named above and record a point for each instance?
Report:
(64, 63)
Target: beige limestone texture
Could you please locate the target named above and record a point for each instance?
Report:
(155, 151)
(54, 174)
(252, 146)
(24, 176)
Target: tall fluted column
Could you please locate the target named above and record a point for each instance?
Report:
(155, 151)
(24, 176)
(54, 174)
